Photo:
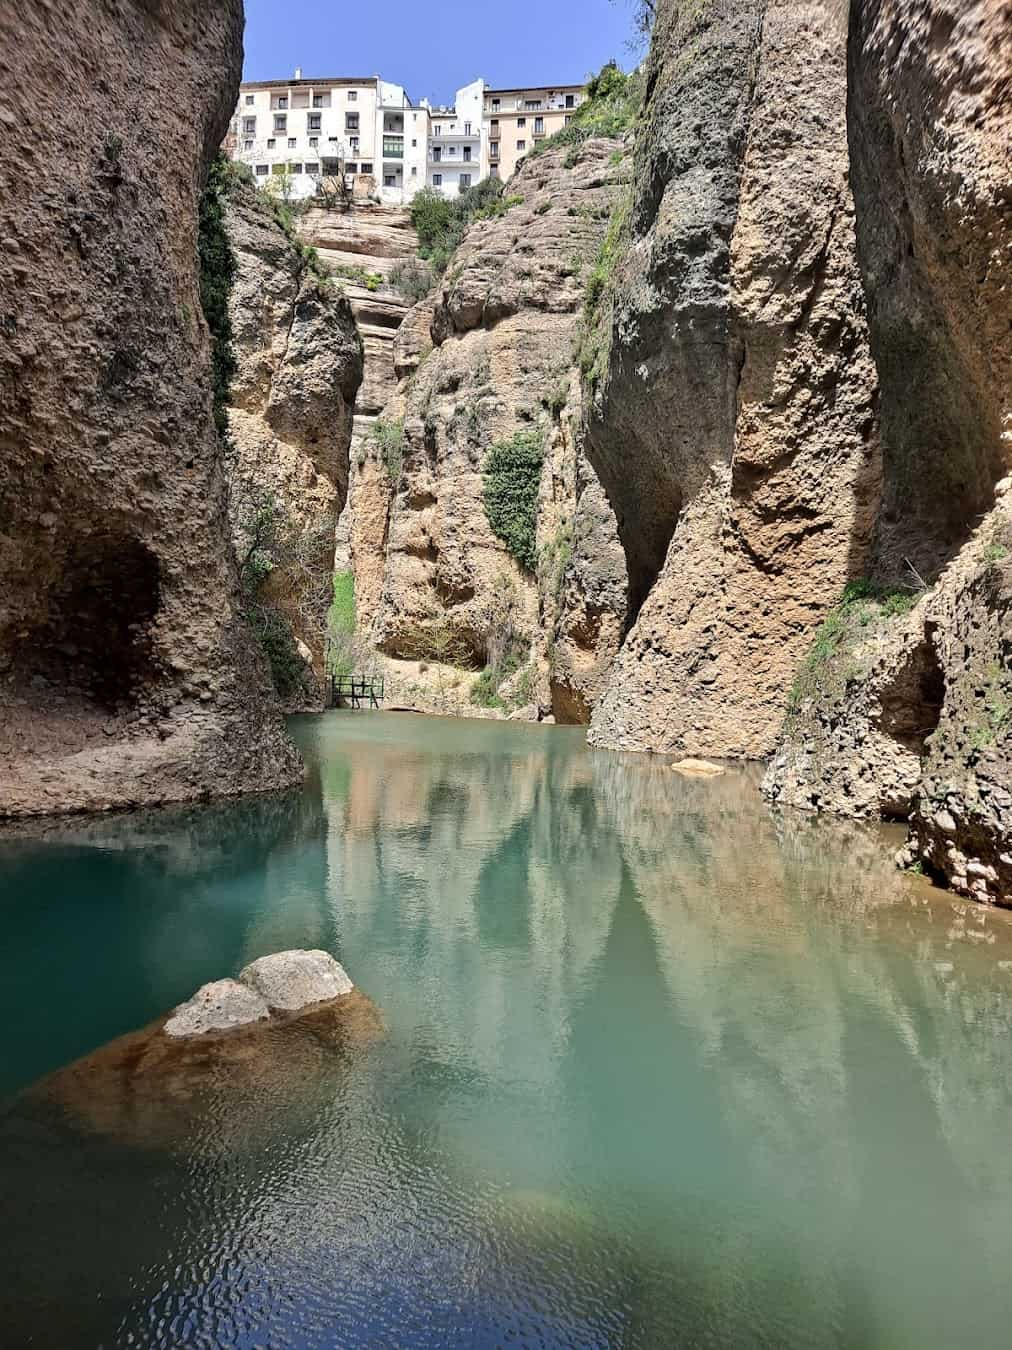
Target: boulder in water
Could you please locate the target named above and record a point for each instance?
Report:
(289, 981)
(218, 1006)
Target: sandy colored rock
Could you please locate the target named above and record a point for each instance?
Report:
(734, 429)
(698, 768)
(299, 365)
(490, 354)
(290, 981)
(128, 675)
(219, 1006)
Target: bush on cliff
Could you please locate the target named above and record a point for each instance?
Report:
(440, 221)
(217, 273)
(512, 476)
(610, 109)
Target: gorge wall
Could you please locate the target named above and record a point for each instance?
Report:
(127, 674)
(486, 362)
(298, 370)
(800, 411)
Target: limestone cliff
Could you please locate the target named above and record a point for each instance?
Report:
(127, 674)
(801, 405)
(915, 717)
(733, 423)
(487, 360)
(298, 359)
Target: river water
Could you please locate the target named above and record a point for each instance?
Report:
(660, 1068)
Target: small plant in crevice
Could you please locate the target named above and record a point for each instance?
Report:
(412, 278)
(387, 435)
(511, 478)
(217, 275)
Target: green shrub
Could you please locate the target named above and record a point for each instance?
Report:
(412, 278)
(388, 437)
(440, 221)
(485, 690)
(611, 108)
(512, 475)
(341, 626)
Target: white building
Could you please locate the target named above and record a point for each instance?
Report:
(363, 134)
(455, 141)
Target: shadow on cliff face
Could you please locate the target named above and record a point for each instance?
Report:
(927, 224)
(95, 634)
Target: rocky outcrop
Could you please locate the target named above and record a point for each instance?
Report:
(733, 424)
(299, 365)
(361, 246)
(284, 982)
(489, 356)
(127, 674)
(913, 719)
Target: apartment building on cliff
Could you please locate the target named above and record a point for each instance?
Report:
(362, 133)
(516, 120)
(364, 137)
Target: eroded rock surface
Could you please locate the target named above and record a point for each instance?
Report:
(222, 1005)
(490, 355)
(915, 721)
(288, 981)
(734, 425)
(127, 674)
(299, 366)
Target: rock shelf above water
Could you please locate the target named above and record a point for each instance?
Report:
(284, 982)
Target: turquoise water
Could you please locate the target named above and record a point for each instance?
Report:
(661, 1068)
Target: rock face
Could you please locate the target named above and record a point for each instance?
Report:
(734, 425)
(288, 981)
(915, 721)
(220, 1006)
(299, 366)
(361, 246)
(127, 675)
(488, 356)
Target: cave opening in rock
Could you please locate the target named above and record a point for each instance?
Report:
(96, 637)
(912, 707)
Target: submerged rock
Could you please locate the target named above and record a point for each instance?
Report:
(289, 981)
(697, 768)
(218, 1006)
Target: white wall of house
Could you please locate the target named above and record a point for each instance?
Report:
(455, 144)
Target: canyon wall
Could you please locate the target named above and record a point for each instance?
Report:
(910, 713)
(127, 674)
(489, 356)
(299, 365)
(733, 421)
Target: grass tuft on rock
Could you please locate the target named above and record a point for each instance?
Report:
(512, 477)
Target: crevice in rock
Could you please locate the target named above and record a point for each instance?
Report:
(911, 707)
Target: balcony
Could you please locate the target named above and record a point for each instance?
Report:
(393, 147)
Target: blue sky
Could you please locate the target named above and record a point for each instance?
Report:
(435, 46)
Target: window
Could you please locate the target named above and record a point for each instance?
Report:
(271, 143)
(464, 183)
(467, 152)
(437, 153)
(351, 121)
(331, 140)
(414, 145)
(494, 127)
(353, 167)
(314, 121)
(296, 168)
(495, 105)
(467, 128)
(353, 144)
(250, 100)
(291, 142)
(414, 172)
(521, 145)
(263, 170)
(279, 102)
(437, 180)
(389, 180)
(494, 171)
(570, 101)
(247, 145)
(314, 142)
(539, 126)
(521, 122)
(318, 100)
(366, 168)
(493, 149)
(281, 123)
(352, 95)
(532, 104)
(393, 147)
(437, 130)
(331, 167)
(249, 125)
(312, 168)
